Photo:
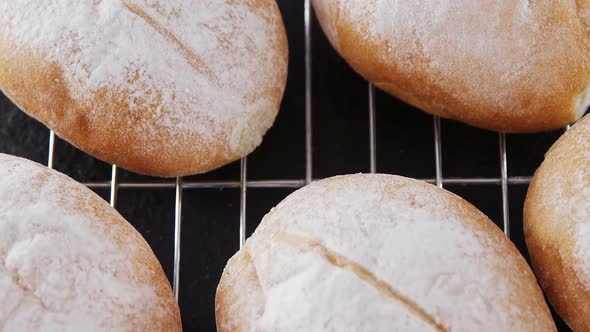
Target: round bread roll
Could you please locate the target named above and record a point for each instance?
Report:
(165, 88)
(517, 66)
(69, 262)
(557, 225)
(378, 253)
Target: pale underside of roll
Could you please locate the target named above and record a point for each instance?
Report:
(378, 253)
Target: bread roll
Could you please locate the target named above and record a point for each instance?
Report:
(557, 225)
(517, 66)
(163, 88)
(378, 253)
(69, 262)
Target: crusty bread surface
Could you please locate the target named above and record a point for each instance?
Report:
(70, 262)
(163, 88)
(557, 225)
(515, 66)
(378, 253)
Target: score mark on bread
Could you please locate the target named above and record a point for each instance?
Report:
(193, 59)
(341, 262)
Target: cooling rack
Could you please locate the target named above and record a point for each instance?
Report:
(113, 185)
(244, 183)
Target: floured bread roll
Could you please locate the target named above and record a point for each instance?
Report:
(557, 225)
(69, 262)
(518, 66)
(378, 253)
(163, 88)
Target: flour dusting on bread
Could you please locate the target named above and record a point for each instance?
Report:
(501, 65)
(190, 73)
(69, 262)
(378, 253)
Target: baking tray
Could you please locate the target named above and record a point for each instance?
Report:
(331, 122)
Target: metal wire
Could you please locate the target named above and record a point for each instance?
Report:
(243, 191)
(199, 184)
(293, 184)
(438, 152)
(114, 186)
(51, 149)
(504, 178)
(177, 237)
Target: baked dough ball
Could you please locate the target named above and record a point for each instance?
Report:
(517, 66)
(69, 262)
(557, 225)
(164, 88)
(378, 253)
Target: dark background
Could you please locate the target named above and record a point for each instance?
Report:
(340, 145)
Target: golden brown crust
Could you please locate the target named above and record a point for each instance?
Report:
(546, 96)
(554, 210)
(229, 293)
(74, 210)
(105, 126)
(38, 91)
(152, 272)
(247, 287)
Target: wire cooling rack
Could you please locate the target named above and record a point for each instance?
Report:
(180, 185)
(114, 185)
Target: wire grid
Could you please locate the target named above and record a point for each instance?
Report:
(114, 185)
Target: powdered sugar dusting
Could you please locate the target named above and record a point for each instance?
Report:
(427, 244)
(61, 268)
(189, 67)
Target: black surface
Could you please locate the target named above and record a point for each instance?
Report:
(340, 113)
(469, 152)
(405, 139)
(341, 145)
(209, 238)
